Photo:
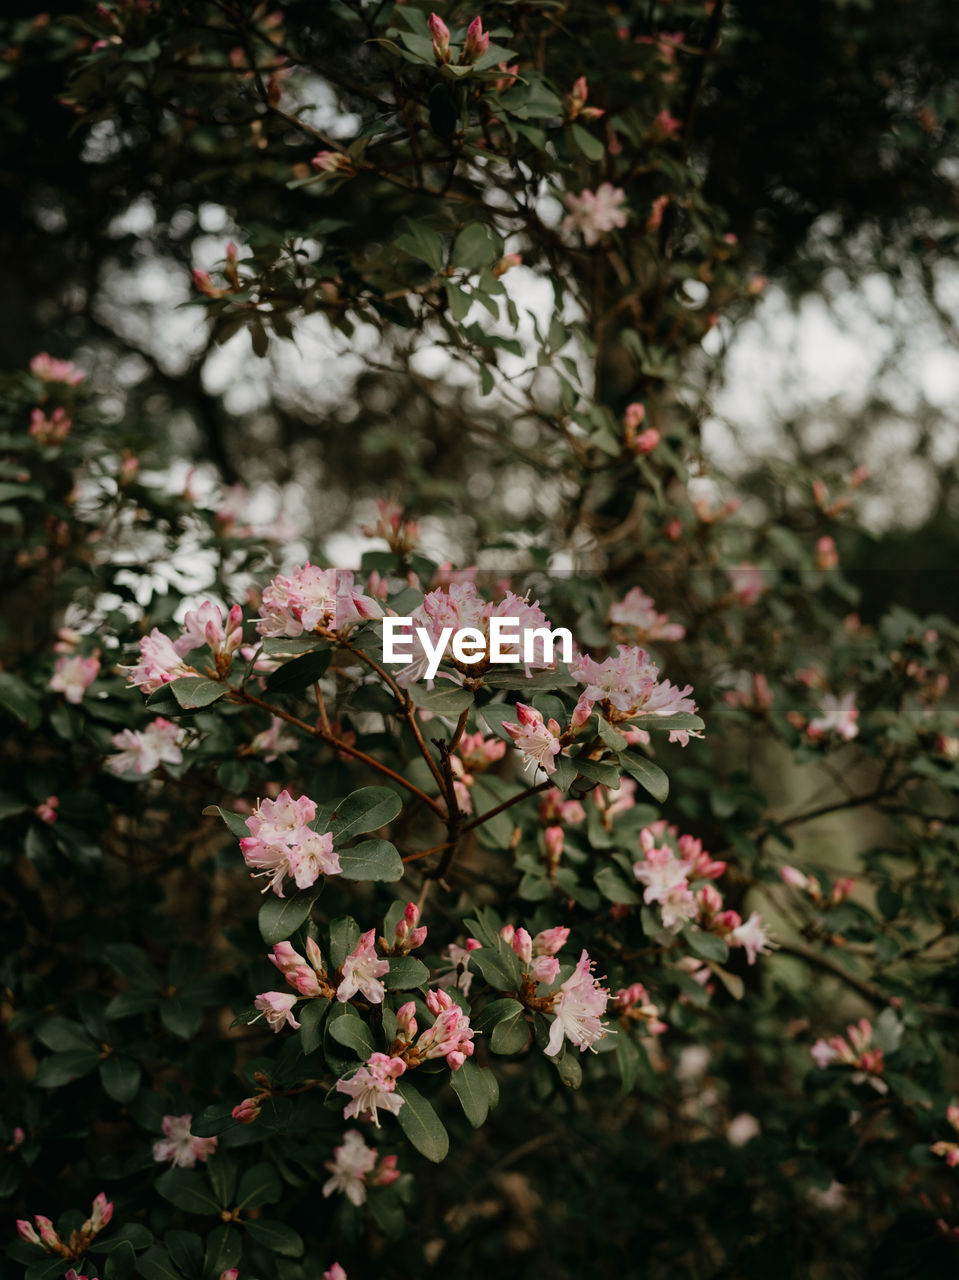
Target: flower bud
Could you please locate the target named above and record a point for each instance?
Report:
(477, 41)
(27, 1232)
(441, 37)
(246, 1111)
(48, 1236)
(522, 944)
(406, 1019)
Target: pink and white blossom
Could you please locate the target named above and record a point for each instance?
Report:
(277, 1008)
(159, 663)
(362, 970)
(351, 1163)
(141, 751)
(282, 844)
(73, 675)
(179, 1146)
(578, 1006)
(48, 369)
(537, 739)
(593, 213)
(373, 1088)
(836, 715)
(638, 611)
(753, 937)
(314, 599)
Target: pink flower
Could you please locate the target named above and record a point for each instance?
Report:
(578, 1005)
(441, 37)
(628, 685)
(313, 599)
(143, 750)
(477, 41)
(159, 663)
(638, 611)
(666, 125)
(401, 535)
(27, 1232)
(281, 843)
(179, 1146)
(576, 102)
(362, 970)
(747, 583)
(72, 676)
(593, 213)
(753, 937)
(52, 430)
(549, 941)
(666, 881)
(409, 933)
(836, 715)
(632, 417)
(275, 741)
(277, 1008)
(538, 740)
(793, 877)
(335, 1272)
(205, 626)
(47, 369)
(350, 1164)
(373, 1086)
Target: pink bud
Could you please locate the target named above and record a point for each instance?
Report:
(634, 415)
(412, 914)
(417, 937)
(27, 1232)
(522, 944)
(554, 838)
(506, 933)
(455, 1059)
(793, 877)
(441, 37)
(545, 969)
(646, 441)
(473, 944)
(246, 1111)
(231, 1273)
(477, 41)
(438, 1001)
(406, 1019)
(48, 1235)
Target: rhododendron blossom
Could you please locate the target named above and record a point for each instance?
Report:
(351, 1162)
(179, 1146)
(48, 369)
(628, 685)
(159, 663)
(855, 1051)
(277, 1008)
(205, 626)
(638, 611)
(313, 599)
(362, 970)
(538, 740)
(72, 677)
(836, 715)
(593, 213)
(578, 1006)
(141, 751)
(282, 844)
(373, 1088)
(752, 936)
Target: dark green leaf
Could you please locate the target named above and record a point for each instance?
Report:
(443, 699)
(476, 246)
(300, 672)
(258, 1186)
(371, 860)
(365, 810)
(353, 1033)
(406, 973)
(647, 774)
(470, 1087)
(197, 691)
(188, 1191)
(276, 1236)
(61, 1068)
(310, 1016)
(224, 1246)
(705, 945)
(235, 821)
(120, 1078)
(281, 917)
(19, 700)
(421, 1124)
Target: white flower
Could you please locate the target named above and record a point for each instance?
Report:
(350, 1164)
(577, 1006)
(143, 750)
(595, 212)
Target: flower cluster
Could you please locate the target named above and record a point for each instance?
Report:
(950, 1150)
(74, 1247)
(373, 1088)
(637, 611)
(536, 738)
(626, 686)
(140, 751)
(313, 599)
(283, 844)
(73, 675)
(857, 1051)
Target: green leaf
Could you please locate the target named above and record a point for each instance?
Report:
(188, 1191)
(472, 1090)
(131, 1003)
(45, 1269)
(421, 1124)
(132, 963)
(221, 1169)
(137, 1235)
(406, 973)
(344, 935)
(19, 700)
(61, 1034)
(705, 945)
(310, 1016)
(371, 860)
(181, 1017)
(258, 1186)
(197, 691)
(496, 1011)
(186, 1251)
(300, 672)
(276, 1236)
(443, 700)
(569, 1067)
(647, 774)
(420, 242)
(476, 246)
(61, 1068)
(213, 1120)
(235, 821)
(279, 918)
(591, 147)
(612, 886)
(496, 968)
(365, 810)
(511, 1035)
(224, 1245)
(121, 1262)
(155, 1264)
(120, 1078)
(597, 771)
(353, 1033)
(629, 1060)
(459, 301)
